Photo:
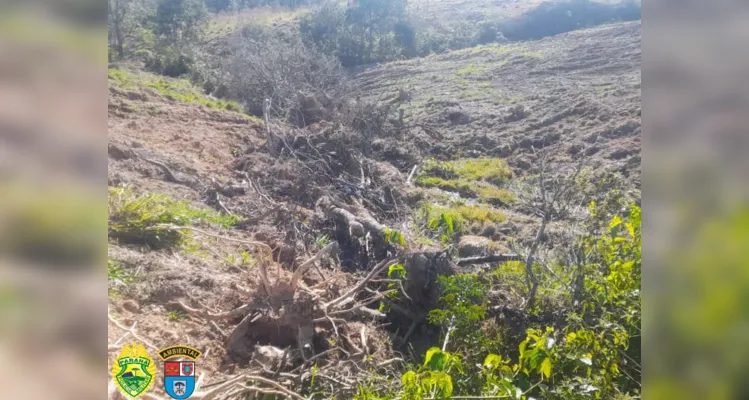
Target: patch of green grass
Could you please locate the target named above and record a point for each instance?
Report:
(492, 49)
(474, 93)
(177, 316)
(492, 170)
(454, 219)
(511, 273)
(244, 259)
(143, 219)
(462, 82)
(481, 178)
(117, 277)
(480, 213)
(122, 79)
(176, 89)
(472, 69)
(496, 196)
(182, 90)
(464, 188)
(532, 54)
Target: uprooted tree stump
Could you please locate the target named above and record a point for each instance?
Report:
(286, 314)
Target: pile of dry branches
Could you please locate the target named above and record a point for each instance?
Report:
(287, 327)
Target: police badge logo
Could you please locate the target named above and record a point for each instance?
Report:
(134, 370)
(179, 376)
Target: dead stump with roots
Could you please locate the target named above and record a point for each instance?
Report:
(287, 324)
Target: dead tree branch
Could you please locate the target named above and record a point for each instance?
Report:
(550, 199)
(493, 258)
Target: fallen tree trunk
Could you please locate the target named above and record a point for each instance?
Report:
(359, 223)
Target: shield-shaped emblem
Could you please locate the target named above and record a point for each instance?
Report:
(134, 370)
(179, 379)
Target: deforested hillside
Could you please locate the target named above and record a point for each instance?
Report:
(340, 215)
(576, 95)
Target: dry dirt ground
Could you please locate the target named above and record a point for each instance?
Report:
(577, 94)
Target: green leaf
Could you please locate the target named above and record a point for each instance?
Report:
(546, 367)
(630, 229)
(313, 375)
(616, 221)
(448, 222)
(435, 359)
(521, 349)
(445, 384)
(493, 361)
(409, 378)
(535, 358)
(396, 271)
(507, 386)
(592, 207)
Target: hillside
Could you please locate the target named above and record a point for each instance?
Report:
(577, 93)
(212, 211)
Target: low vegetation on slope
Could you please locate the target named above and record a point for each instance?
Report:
(482, 178)
(591, 350)
(171, 88)
(154, 220)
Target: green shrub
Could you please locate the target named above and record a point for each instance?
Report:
(594, 353)
(117, 277)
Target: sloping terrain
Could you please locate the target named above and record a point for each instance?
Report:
(575, 95)
(476, 10)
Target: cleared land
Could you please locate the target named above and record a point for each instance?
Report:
(576, 94)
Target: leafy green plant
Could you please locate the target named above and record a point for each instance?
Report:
(176, 316)
(117, 277)
(433, 379)
(396, 272)
(321, 241)
(447, 222)
(393, 236)
(150, 219)
(593, 354)
(464, 306)
(182, 90)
